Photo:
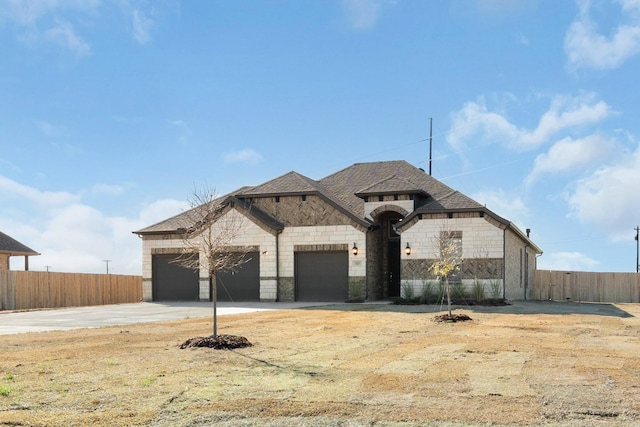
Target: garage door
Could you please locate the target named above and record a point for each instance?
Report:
(322, 276)
(242, 285)
(173, 282)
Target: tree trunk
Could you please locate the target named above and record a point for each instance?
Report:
(214, 298)
(448, 297)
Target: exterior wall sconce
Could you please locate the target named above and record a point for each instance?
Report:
(354, 250)
(407, 250)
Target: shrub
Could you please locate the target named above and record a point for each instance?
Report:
(477, 292)
(458, 290)
(428, 291)
(496, 289)
(408, 293)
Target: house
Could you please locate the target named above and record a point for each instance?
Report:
(363, 233)
(11, 247)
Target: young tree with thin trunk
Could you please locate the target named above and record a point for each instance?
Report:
(208, 232)
(448, 260)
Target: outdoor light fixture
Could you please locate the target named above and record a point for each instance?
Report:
(407, 250)
(354, 250)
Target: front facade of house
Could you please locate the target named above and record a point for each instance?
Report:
(366, 232)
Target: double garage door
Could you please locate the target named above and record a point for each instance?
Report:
(319, 276)
(173, 282)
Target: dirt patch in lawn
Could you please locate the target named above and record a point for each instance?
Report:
(350, 366)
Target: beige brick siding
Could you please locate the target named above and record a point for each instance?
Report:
(521, 266)
(482, 250)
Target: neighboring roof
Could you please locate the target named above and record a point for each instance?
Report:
(13, 247)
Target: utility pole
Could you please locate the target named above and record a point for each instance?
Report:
(107, 261)
(637, 249)
(430, 142)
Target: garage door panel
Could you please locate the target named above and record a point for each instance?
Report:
(322, 276)
(243, 284)
(172, 281)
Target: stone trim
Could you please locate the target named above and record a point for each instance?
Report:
(388, 208)
(168, 251)
(321, 248)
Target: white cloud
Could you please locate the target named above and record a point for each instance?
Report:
(48, 199)
(49, 129)
(64, 34)
(567, 261)
(247, 155)
(570, 154)
(185, 132)
(587, 48)
(362, 14)
(73, 236)
(507, 206)
(609, 197)
(141, 26)
(475, 122)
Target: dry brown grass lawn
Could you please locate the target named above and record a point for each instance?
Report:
(375, 365)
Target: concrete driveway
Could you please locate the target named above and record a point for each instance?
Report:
(126, 314)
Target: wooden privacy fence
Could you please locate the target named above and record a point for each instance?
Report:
(21, 290)
(586, 286)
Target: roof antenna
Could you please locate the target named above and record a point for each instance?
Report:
(430, 142)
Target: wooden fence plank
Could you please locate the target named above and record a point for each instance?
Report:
(586, 286)
(39, 289)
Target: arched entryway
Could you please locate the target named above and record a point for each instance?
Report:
(384, 249)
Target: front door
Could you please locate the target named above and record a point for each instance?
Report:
(393, 259)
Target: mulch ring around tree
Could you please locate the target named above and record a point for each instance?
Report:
(451, 319)
(223, 342)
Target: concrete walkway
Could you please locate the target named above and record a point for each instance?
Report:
(126, 314)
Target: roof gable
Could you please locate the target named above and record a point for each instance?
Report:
(391, 185)
(288, 184)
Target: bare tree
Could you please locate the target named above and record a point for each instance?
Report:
(448, 260)
(208, 232)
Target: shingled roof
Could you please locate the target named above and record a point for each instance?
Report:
(9, 245)
(176, 222)
(346, 190)
(363, 178)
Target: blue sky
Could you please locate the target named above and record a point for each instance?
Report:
(113, 111)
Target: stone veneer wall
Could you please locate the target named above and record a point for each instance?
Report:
(303, 211)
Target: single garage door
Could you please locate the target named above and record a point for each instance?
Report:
(173, 282)
(322, 276)
(242, 285)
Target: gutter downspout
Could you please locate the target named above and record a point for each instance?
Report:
(504, 264)
(526, 271)
(278, 264)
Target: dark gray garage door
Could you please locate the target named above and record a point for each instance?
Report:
(173, 282)
(322, 276)
(242, 285)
